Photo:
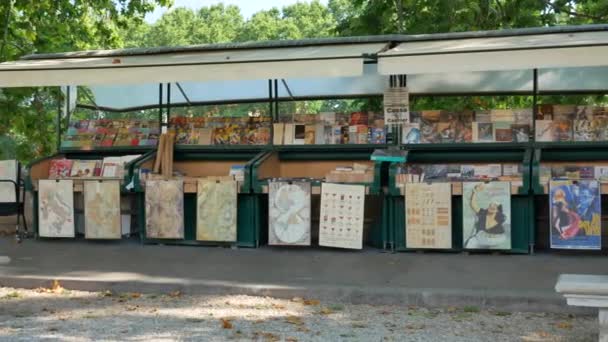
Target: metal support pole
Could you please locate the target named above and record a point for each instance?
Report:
(160, 106)
(276, 98)
(168, 103)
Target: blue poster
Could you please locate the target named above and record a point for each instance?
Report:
(575, 214)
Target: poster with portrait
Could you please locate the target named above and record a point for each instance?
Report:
(575, 214)
(428, 215)
(486, 215)
(289, 213)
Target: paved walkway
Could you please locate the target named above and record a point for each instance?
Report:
(509, 282)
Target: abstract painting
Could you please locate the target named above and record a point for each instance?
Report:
(486, 214)
(289, 213)
(428, 215)
(341, 221)
(216, 210)
(165, 209)
(8, 171)
(55, 208)
(575, 214)
(102, 210)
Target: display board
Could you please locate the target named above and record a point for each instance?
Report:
(575, 214)
(486, 215)
(102, 210)
(216, 210)
(8, 171)
(428, 209)
(289, 213)
(56, 208)
(342, 210)
(164, 209)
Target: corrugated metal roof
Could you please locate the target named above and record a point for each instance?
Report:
(320, 42)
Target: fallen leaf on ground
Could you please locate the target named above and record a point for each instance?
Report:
(297, 299)
(311, 302)
(451, 309)
(415, 326)
(359, 325)
(266, 336)
(259, 321)
(175, 294)
(107, 293)
(294, 320)
(564, 325)
(384, 312)
(291, 339)
(132, 308)
(536, 336)
(226, 324)
(278, 306)
(135, 295)
(303, 329)
(326, 311)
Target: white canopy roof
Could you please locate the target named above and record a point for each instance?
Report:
(231, 64)
(574, 49)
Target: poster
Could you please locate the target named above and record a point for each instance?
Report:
(165, 209)
(486, 214)
(8, 171)
(102, 210)
(56, 208)
(428, 213)
(216, 213)
(289, 213)
(341, 221)
(575, 214)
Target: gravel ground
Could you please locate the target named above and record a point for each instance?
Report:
(59, 314)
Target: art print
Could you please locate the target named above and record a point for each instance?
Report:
(289, 213)
(575, 214)
(486, 215)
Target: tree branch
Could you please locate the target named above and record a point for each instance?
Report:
(557, 9)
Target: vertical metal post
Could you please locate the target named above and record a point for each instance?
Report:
(168, 103)
(276, 99)
(160, 106)
(534, 99)
(271, 112)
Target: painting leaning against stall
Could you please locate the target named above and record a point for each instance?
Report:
(217, 210)
(486, 215)
(289, 213)
(575, 211)
(165, 209)
(56, 208)
(102, 209)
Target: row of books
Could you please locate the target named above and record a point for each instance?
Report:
(87, 134)
(221, 130)
(439, 126)
(320, 134)
(570, 112)
(416, 173)
(71, 168)
(574, 171)
(368, 118)
(355, 173)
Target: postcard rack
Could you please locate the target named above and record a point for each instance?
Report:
(204, 161)
(464, 153)
(39, 170)
(314, 163)
(548, 156)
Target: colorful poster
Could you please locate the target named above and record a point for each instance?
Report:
(486, 215)
(8, 171)
(102, 210)
(575, 214)
(165, 209)
(289, 213)
(428, 213)
(216, 210)
(55, 208)
(341, 221)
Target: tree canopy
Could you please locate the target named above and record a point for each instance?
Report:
(27, 116)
